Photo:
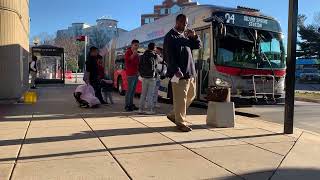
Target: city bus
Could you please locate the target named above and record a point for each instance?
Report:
(242, 49)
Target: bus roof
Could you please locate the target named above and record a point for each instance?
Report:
(160, 27)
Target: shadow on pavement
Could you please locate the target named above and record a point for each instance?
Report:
(281, 174)
(111, 133)
(57, 103)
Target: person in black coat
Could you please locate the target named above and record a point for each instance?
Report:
(178, 45)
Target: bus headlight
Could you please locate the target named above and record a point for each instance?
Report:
(220, 82)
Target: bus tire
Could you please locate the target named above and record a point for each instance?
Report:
(120, 86)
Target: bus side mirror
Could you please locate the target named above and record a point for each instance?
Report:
(221, 30)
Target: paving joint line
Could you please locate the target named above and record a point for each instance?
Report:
(274, 172)
(20, 148)
(105, 146)
(191, 150)
(276, 132)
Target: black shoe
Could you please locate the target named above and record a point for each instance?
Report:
(134, 107)
(184, 128)
(33, 87)
(103, 102)
(128, 109)
(171, 119)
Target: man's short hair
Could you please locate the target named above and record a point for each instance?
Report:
(181, 17)
(135, 41)
(151, 46)
(34, 58)
(92, 48)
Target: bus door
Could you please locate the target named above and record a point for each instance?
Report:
(202, 62)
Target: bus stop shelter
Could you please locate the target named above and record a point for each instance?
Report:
(50, 64)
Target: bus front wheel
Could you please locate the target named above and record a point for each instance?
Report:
(120, 87)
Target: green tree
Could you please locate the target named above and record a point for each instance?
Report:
(310, 38)
(72, 64)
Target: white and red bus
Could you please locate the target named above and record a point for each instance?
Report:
(241, 48)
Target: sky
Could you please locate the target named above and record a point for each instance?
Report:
(48, 16)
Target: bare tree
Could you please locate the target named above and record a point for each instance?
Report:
(316, 19)
(72, 50)
(44, 38)
(98, 38)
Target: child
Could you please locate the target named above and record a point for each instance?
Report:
(84, 95)
(105, 81)
(107, 87)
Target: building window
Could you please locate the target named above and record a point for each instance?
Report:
(146, 20)
(163, 11)
(175, 9)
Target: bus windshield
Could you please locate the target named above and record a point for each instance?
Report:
(245, 48)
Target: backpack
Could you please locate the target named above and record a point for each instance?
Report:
(147, 65)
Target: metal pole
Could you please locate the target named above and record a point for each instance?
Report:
(85, 48)
(77, 70)
(291, 67)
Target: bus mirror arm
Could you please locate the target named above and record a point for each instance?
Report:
(221, 30)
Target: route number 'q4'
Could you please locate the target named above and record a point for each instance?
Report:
(230, 18)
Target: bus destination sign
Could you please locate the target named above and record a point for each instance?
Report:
(247, 21)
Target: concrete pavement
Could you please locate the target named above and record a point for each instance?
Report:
(306, 114)
(54, 139)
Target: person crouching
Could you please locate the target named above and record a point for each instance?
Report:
(85, 96)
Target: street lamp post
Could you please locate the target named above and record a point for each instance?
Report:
(36, 41)
(76, 81)
(291, 67)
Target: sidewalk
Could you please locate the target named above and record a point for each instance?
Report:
(54, 139)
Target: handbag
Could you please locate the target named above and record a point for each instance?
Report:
(218, 94)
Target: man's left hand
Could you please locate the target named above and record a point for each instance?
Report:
(191, 33)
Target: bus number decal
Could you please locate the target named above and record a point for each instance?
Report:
(230, 18)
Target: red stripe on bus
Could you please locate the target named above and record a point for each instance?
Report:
(245, 72)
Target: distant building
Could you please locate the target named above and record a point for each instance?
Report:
(99, 34)
(167, 7)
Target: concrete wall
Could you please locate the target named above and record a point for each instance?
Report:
(14, 48)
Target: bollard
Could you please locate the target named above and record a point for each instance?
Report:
(221, 112)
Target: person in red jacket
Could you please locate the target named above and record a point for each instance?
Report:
(131, 64)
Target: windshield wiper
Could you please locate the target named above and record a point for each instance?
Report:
(264, 57)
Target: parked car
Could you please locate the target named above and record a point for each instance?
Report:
(311, 74)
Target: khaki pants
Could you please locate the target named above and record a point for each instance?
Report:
(33, 78)
(184, 93)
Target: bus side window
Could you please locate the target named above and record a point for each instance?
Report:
(206, 50)
(197, 54)
(206, 46)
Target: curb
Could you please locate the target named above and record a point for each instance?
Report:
(307, 100)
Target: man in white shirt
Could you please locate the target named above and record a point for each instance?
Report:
(33, 71)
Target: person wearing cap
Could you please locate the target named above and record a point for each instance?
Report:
(33, 71)
(92, 73)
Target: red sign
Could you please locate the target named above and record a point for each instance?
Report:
(81, 38)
